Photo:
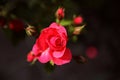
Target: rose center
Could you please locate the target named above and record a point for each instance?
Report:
(58, 42)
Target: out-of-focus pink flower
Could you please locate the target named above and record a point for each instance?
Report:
(51, 45)
(16, 25)
(30, 57)
(91, 52)
(77, 20)
(60, 13)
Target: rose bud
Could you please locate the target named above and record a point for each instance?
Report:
(60, 13)
(30, 57)
(78, 20)
(30, 30)
(16, 25)
(78, 29)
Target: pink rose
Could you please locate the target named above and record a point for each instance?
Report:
(51, 45)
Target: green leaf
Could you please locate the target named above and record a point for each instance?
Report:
(65, 22)
(71, 29)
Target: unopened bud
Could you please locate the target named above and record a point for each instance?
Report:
(30, 57)
(78, 20)
(30, 30)
(60, 13)
(78, 29)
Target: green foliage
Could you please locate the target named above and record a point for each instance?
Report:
(49, 67)
(74, 38)
(65, 22)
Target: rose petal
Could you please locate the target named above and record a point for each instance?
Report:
(42, 40)
(66, 58)
(36, 50)
(45, 56)
(58, 54)
(52, 40)
(59, 28)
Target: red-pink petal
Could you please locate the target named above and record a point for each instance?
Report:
(53, 39)
(35, 50)
(45, 56)
(41, 41)
(59, 28)
(66, 58)
(30, 57)
(58, 54)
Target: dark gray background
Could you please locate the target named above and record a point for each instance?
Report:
(103, 28)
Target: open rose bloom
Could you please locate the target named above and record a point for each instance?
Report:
(51, 45)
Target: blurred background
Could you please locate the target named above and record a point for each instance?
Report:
(100, 39)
